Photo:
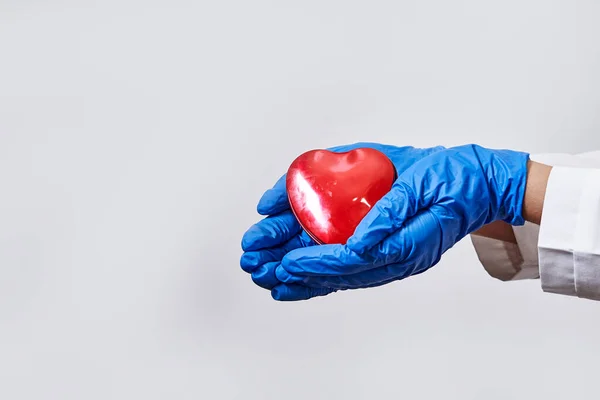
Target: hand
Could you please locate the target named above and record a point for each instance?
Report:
(433, 204)
(267, 242)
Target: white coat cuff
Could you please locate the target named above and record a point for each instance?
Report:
(569, 240)
(501, 260)
(527, 240)
(509, 261)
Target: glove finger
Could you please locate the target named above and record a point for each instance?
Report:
(271, 231)
(382, 282)
(325, 276)
(376, 276)
(264, 276)
(296, 292)
(293, 292)
(327, 259)
(253, 259)
(274, 200)
(386, 216)
(337, 285)
(285, 277)
(412, 249)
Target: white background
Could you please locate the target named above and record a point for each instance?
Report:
(137, 136)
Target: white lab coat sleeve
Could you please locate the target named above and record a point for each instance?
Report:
(564, 251)
(509, 261)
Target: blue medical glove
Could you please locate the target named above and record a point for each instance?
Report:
(433, 204)
(268, 241)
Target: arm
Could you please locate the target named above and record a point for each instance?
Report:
(560, 242)
(535, 192)
(461, 186)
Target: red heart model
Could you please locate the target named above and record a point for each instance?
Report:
(330, 193)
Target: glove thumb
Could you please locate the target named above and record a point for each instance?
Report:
(386, 216)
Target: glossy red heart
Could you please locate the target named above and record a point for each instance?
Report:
(330, 193)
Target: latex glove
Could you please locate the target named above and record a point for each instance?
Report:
(267, 242)
(433, 204)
